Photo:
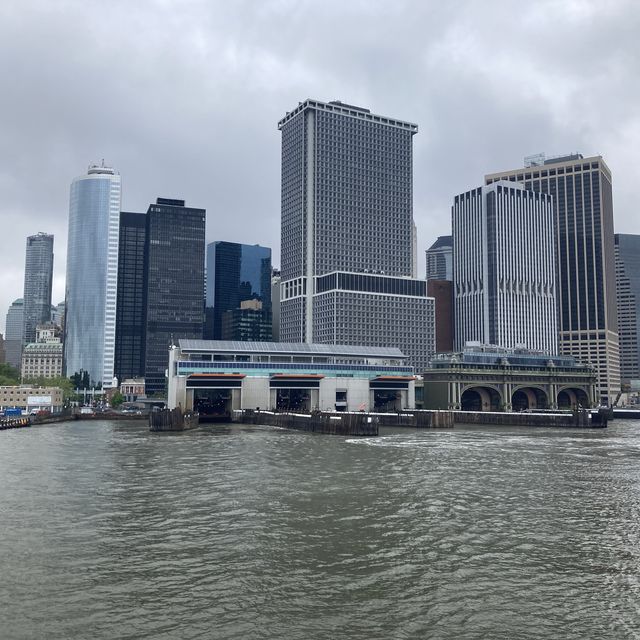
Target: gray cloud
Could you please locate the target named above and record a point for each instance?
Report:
(183, 99)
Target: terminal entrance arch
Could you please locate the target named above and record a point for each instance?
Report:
(529, 398)
(572, 397)
(481, 399)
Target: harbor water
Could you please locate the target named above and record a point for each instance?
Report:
(109, 531)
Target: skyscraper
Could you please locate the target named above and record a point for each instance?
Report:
(92, 274)
(173, 283)
(585, 263)
(38, 278)
(627, 252)
(440, 259)
(130, 324)
(238, 273)
(14, 334)
(504, 268)
(348, 233)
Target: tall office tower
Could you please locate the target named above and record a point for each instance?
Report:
(129, 347)
(38, 278)
(504, 268)
(14, 334)
(237, 273)
(3, 354)
(440, 259)
(275, 305)
(585, 263)
(347, 232)
(173, 283)
(57, 314)
(92, 274)
(627, 253)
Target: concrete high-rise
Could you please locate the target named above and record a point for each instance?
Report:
(440, 259)
(348, 236)
(504, 268)
(92, 274)
(585, 262)
(14, 334)
(173, 283)
(627, 253)
(38, 278)
(238, 273)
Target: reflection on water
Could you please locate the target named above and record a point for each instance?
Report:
(109, 531)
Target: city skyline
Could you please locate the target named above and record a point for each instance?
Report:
(237, 74)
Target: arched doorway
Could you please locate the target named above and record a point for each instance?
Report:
(529, 398)
(572, 397)
(480, 399)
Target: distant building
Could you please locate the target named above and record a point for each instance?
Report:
(174, 283)
(130, 308)
(440, 259)
(32, 399)
(275, 305)
(504, 268)
(92, 274)
(38, 279)
(442, 292)
(14, 332)
(3, 354)
(583, 208)
(43, 358)
(133, 389)
(237, 273)
(57, 314)
(627, 253)
(348, 234)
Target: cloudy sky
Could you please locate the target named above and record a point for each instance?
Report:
(182, 97)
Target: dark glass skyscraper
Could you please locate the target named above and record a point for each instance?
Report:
(583, 204)
(237, 273)
(628, 294)
(38, 277)
(173, 283)
(130, 327)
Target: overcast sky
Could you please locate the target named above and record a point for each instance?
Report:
(182, 97)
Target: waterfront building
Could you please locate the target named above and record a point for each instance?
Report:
(174, 283)
(133, 389)
(14, 332)
(586, 289)
(490, 378)
(237, 273)
(31, 399)
(43, 358)
(38, 279)
(92, 274)
(130, 321)
(504, 268)
(347, 232)
(440, 259)
(627, 254)
(216, 377)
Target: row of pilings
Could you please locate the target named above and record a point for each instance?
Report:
(346, 424)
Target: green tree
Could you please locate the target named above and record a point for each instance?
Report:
(9, 376)
(117, 399)
(63, 383)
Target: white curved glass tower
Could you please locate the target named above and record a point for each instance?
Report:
(92, 274)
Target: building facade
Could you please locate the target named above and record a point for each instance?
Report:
(504, 268)
(238, 273)
(586, 289)
(38, 279)
(43, 358)
(173, 283)
(92, 274)
(32, 399)
(130, 323)
(440, 259)
(347, 221)
(627, 254)
(14, 334)
(216, 377)
(442, 293)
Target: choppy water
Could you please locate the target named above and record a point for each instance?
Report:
(107, 531)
